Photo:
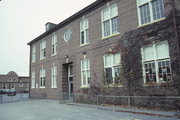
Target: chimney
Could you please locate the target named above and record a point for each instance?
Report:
(49, 25)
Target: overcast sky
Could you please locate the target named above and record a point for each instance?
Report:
(23, 20)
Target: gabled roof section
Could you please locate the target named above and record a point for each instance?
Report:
(74, 17)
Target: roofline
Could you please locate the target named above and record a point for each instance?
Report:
(85, 10)
(23, 76)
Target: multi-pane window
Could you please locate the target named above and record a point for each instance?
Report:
(156, 63)
(150, 10)
(42, 50)
(84, 32)
(33, 54)
(112, 67)
(109, 18)
(54, 76)
(54, 45)
(33, 79)
(42, 78)
(85, 73)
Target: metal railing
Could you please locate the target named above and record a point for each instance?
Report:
(160, 102)
(4, 98)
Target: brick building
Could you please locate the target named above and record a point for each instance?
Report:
(128, 47)
(12, 81)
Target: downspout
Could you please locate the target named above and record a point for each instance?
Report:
(30, 71)
(177, 45)
(176, 32)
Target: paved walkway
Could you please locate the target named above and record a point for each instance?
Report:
(132, 110)
(52, 110)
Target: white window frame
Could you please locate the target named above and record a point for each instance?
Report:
(33, 79)
(155, 60)
(84, 28)
(85, 70)
(54, 76)
(21, 84)
(67, 34)
(14, 80)
(4, 86)
(10, 80)
(42, 78)
(33, 54)
(112, 66)
(42, 50)
(13, 86)
(110, 17)
(54, 44)
(149, 2)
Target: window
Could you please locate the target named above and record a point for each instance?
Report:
(54, 45)
(109, 18)
(42, 50)
(84, 33)
(85, 73)
(10, 79)
(112, 67)
(42, 78)
(4, 86)
(33, 79)
(150, 10)
(156, 63)
(33, 54)
(54, 76)
(67, 35)
(70, 70)
(12, 86)
(20, 84)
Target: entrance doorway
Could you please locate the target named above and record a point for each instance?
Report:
(70, 80)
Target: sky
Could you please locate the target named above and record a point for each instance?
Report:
(23, 20)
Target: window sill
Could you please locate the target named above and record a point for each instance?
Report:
(114, 85)
(42, 87)
(53, 55)
(82, 45)
(149, 23)
(53, 87)
(158, 84)
(84, 87)
(110, 36)
(42, 59)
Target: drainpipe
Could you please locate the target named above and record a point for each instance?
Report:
(30, 71)
(176, 31)
(177, 43)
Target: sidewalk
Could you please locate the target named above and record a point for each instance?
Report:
(132, 110)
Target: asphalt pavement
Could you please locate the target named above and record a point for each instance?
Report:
(52, 110)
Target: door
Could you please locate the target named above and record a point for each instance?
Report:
(70, 79)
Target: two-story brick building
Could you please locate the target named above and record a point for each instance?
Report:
(130, 47)
(11, 80)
